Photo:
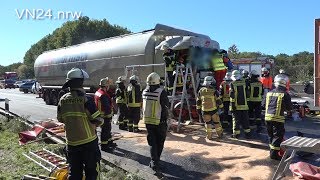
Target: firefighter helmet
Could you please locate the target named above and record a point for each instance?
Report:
(134, 78)
(254, 73)
(281, 71)
(104, 82)
(75, 78)
(280, 81)
(77, 73)
(153, 79)
(209, 81)
(120, 80)
(236, 75)
(245, 73)
(227, 77)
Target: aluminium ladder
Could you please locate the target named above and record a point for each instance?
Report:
(184, 96)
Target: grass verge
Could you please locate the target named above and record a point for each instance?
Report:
(13, 165)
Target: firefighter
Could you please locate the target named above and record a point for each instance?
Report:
(169, 57)
(134, 104)
(238, 104)
(121, 100)
(266, 80)
(179, 83)
(276, 102)
(224, 90)
(208, 105)
(254, 100)
(245, 75)
(104, 103)
(155, 115)
(286, 76)
(80, 116)
(219, 67)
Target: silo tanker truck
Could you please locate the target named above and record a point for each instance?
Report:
(109, 57)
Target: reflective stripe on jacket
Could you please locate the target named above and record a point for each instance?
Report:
(273, 107)
(73, 113)
(104, 105)
(256, 91)
(151, 107)
(134, 96)
(238, 95)
(121, 96)
(208, 100)
(224, 88)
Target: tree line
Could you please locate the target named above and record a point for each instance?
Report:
(299, 66)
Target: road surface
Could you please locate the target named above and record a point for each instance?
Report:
(187, 155)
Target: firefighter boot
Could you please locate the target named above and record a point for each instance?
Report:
(208, 127)
(130, 127)
(217, 125)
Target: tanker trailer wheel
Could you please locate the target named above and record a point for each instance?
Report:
(184, 114)
(54, 97)
(46, 97)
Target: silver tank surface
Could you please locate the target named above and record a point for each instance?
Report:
(107, 57)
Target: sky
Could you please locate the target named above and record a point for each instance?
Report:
(270, 27)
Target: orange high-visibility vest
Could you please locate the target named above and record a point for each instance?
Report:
(267, 82)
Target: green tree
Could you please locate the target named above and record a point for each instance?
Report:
(71, 33)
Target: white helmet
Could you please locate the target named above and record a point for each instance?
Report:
(254, 73)
(236, 75)
(227, 77)
(264, 69)
(245, 73)
(77, 73)
(104, 82)
(281, 71)
(153, 79)
(280, 81)
(134, 77)
(209, 81)
(120, 80)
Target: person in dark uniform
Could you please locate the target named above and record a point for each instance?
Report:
(169, 57)
(121, 100)
(80, 116)
(276, 102)
(134, 104)
(103, 102)
(155, 115)
(226, 118)
(238, 105)
(254, 100)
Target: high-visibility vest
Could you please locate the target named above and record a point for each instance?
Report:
(170, 66)
(266, 82)
(255, 92)
(217, 63)
(226, 87)
(240, 99)
(208, 99)
(133, 99)
(151, 107)
(101, 108)
(179, 81)
(72, 112)
(121, 96)
(273, 107)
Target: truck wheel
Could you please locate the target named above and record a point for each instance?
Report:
(25, 91)
(47, 98)
(54, 97)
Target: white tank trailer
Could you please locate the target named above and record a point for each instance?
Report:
(108, 58)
